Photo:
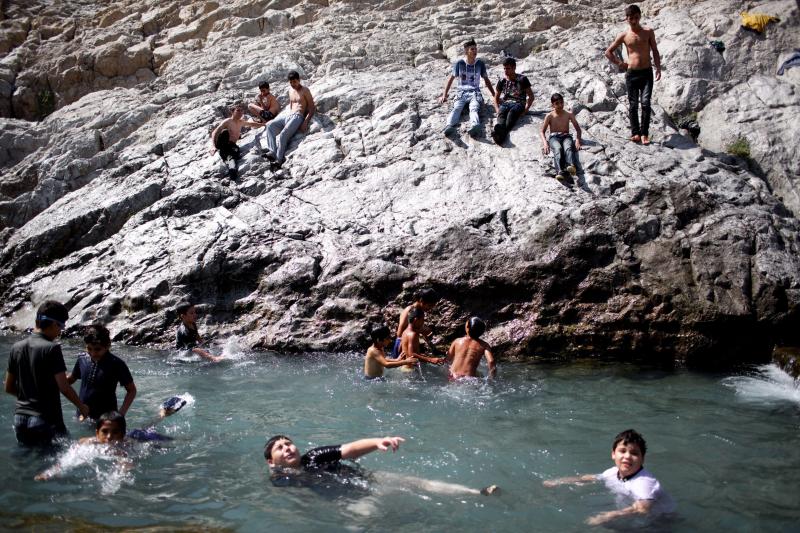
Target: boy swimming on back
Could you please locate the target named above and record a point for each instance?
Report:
(375, 360)
(465, 354)
(628, 479)
(639, 41)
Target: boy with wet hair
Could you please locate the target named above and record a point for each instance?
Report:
(285, 462)
(99, 371)
(225, 135)
(187, 337)
(409, 342)
(469, 72)
(560, 141)
(36, 375)
(517, 95)
(628, 480)
(266, 106)
(375, 360)
(640, 42)
(425, 299)
(465, 354)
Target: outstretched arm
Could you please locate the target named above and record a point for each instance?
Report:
(610, 51)
(207, 355)
(355, 449)
(656, 55)
(638, 507)
(571, 480)
(71, 395)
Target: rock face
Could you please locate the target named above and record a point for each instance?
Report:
(113, 204)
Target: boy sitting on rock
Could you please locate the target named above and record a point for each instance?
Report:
(469, 72)
(266, 106)
(515, 90)
(560, 140)
(224, 138)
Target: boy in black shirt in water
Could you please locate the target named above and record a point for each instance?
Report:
(286, 463)
(187, 337)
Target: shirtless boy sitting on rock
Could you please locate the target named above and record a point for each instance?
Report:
(296, 116)
(224, 138)
(465, 353)
(639, 41)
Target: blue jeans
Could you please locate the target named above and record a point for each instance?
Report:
(475, 101)
(34, 430)
(286, 124)
(561, 144)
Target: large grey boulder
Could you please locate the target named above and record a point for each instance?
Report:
(113, 204)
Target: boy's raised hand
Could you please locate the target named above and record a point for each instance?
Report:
(389, 442)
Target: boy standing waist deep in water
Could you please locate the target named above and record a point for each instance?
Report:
(640, 42)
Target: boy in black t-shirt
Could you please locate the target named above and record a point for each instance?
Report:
(187, 337)
(517, 95)
(36, 374)
(99, 371)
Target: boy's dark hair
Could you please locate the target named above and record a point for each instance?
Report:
(111, 416)
(476, 327)
(428, 296)
(469, 43)
(556, 98)
(51, 311)
(293, 75)
(183, 307)
(97, 334)
(270, 443)
(630, 436)
(378, 332)
(415, 313)
(509, 62)
(632, 9)
(263, 85)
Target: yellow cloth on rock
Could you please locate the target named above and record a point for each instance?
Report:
(757, 21)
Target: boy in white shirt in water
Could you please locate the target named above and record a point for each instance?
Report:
(628, 480)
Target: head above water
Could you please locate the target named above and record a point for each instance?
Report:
(186, 312)
(379, 332)
(97, 334)
(475, 327)
(630, 437)
(110, 427)
(281, 451)
(51, 318)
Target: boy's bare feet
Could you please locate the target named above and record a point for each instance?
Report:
(645, 140)
(636, 138)
(491, 489)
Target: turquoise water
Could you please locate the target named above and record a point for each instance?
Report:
(726, 448)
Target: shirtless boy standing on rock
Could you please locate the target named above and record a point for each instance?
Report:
(296, 116)
(639, 41)
(465, 354)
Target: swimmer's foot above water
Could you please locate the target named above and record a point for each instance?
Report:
(491, 489)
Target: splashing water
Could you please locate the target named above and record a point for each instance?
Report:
(769, 384)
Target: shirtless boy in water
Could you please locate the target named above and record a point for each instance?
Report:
(296, 116)
(465, 353)
(639, 41)
(409, 342)
(375, 360)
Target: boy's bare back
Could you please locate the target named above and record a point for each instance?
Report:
(466, 354)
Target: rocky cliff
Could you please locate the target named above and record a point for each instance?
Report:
(110, 201)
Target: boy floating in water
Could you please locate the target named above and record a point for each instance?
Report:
(99, 371)
(628, 479)
(426, 299)
(465, 354)
(639, 41)
(560, 140)
(187, 337)
(285, 461)
(409, 342)
(375, 360)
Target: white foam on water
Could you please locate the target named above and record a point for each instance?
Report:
(769, 384)
(231, 350)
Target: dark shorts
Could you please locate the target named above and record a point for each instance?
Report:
(374, 378)
(33, 430)
(267, 115)
(395, 349)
